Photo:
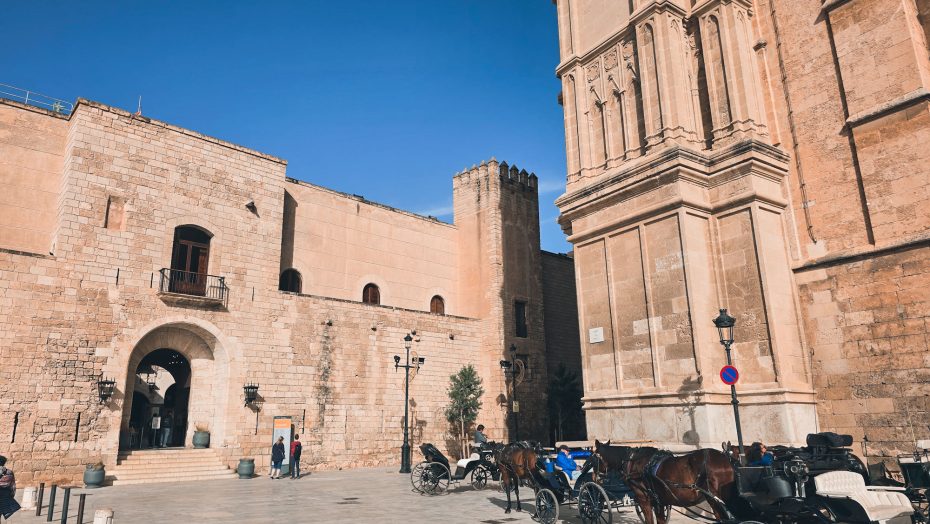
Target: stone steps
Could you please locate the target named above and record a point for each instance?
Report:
(168, 465)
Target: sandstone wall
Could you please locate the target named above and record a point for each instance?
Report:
(341, 243)
(32, 146)
(94, 308)
(561, 312)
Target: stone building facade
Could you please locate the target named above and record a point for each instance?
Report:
(131, 248)
(765, 156)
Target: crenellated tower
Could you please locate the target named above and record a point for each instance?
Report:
(497, 216)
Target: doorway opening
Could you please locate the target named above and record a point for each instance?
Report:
(160, 401)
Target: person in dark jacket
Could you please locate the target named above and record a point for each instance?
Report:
(8, 504)
(277, 457)
(296, 448)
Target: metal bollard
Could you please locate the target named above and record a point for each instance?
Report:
(80, 515)
(29, 498)
(51, 503)
(64, 506)
(103, 516)
(39, 503)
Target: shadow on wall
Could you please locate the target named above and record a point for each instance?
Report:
(690, 393)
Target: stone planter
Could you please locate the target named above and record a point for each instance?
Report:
(93, 478)
(201, 439)
(246, 468)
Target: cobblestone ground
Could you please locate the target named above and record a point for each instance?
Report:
(361, 495)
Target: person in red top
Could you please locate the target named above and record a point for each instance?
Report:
(296, 448)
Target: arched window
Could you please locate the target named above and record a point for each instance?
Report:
(437, 305)
(189, 260)
(371, 294)
(290, 281)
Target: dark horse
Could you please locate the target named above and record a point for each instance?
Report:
(516, 462)
(660, 480)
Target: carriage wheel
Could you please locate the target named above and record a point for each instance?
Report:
(593, 504)
(642, 518)
(479, 477)
(439, 478)
(418, 476)
(547, 507)
(429, 478)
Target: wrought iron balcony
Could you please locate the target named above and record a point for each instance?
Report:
(197, 286)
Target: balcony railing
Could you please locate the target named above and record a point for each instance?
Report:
(207, 287)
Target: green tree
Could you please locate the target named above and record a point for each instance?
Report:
(564, 402)
(464, 402)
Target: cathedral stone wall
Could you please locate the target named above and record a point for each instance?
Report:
(808, 230)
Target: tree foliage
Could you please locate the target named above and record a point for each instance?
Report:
(464, 400)
(564, 403)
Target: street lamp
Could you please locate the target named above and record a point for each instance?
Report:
(510, 368)
(408, 365)
(725, 323)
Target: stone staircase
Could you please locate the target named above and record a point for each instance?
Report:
(167, 465)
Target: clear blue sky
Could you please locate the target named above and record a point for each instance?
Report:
(385, 99)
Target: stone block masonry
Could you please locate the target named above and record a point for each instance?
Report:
(143, 211)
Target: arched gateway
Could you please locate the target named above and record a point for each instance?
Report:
(181, 368)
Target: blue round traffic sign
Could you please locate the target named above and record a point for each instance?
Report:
(729, 375)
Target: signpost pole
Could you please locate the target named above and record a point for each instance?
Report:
(735, 402)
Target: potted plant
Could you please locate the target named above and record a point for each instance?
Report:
(94, 475)
(201, 436)
(246, 468)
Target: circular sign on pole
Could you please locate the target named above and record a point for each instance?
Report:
(729, 375)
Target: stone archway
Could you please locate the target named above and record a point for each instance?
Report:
(208, 380)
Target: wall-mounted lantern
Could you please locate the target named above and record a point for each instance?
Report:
(251, 393)
(105, 388)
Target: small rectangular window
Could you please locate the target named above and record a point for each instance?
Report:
(115, 214)
(519, 318)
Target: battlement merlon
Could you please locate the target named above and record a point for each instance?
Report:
(509, 174)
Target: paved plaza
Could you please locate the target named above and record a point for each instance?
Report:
(361, 495)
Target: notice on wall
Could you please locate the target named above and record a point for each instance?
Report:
(282, 428)
(595, 335)
(516, 406)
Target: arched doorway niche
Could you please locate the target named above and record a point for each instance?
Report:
(208, 379)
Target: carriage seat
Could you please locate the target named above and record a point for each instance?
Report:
(846, 492)
(464, 462)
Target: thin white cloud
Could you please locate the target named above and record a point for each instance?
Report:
(551, 186)
(439, 211)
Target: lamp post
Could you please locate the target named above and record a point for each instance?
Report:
(725, 323)
(405, 448)
(510, 369)
(250, 391)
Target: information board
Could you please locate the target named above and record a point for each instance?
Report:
(282, 428)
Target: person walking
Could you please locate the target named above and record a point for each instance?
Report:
(166, 424)
(277, 457)
(296, 448)
(8, 504)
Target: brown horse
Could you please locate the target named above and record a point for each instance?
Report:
(660, 480)
(517, 462)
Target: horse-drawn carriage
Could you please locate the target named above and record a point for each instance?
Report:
(594, 497)
(822, 483)
(915, 476)
(434, 475)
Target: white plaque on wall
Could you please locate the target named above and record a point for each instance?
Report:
(596, 335)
